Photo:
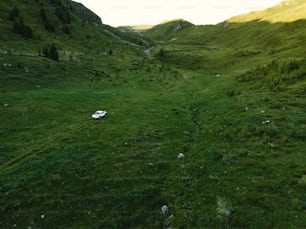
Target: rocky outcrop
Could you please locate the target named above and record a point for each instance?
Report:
(84, 13)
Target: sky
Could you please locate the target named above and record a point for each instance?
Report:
(152, 12)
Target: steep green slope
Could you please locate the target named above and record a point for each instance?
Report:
(166, 29)
(85, 14)
(94, 51)
(235, 42)
(286, 11)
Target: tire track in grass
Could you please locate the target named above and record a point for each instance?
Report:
(43, 146)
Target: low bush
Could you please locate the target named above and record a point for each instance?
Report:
(50, 51)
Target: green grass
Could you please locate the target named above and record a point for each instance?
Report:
(286, 11)
(210, 97)
(166, 29)
(115, 172)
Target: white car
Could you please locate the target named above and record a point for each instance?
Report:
(99, 114)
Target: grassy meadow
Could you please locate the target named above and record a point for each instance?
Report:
(234, 106)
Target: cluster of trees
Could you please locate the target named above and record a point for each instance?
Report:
(22, 29)
(48, 25)
(63, 14)
(19, 26)
(61, 11)
(161, 54)
(14, 14)
(50, 51)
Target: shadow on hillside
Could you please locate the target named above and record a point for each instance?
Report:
(212, 44)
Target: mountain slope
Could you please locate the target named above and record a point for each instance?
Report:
(287, 11)
(78, 41)
(252, 37)
(84, 13)
(166, 29)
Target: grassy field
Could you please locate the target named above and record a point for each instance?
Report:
(60, 167)
(234, 107)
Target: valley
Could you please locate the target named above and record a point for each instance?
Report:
(228, 98)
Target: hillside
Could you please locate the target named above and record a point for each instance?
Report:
(206, 125)
(286, 11)
(167, 28)
(84, 13)
(98, 51)
(252, 35)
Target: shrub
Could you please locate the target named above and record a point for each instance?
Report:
(48, 25)
(14, 14)
(51, 52)
(20, 28)
(161, 54)
(63, 14)
(65, 29)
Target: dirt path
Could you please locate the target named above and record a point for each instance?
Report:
(149, 53)
(120, 39)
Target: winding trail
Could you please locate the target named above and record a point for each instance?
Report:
(120, 39)
(146, 51)
(149, 53)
